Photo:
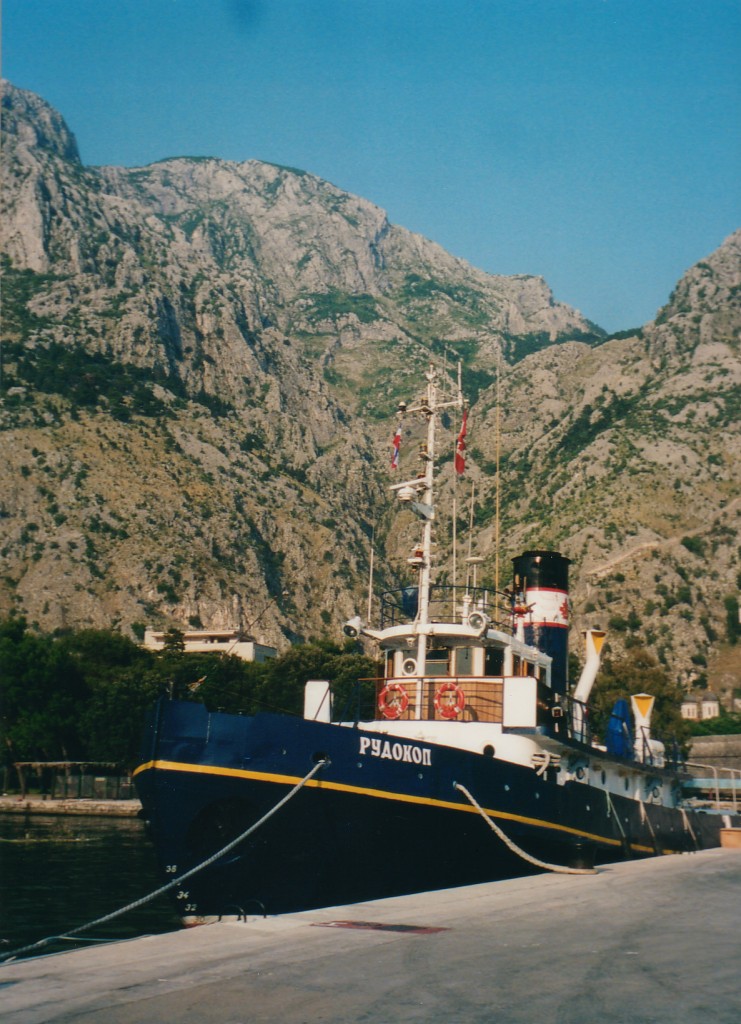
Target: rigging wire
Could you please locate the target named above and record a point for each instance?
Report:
(369, 617)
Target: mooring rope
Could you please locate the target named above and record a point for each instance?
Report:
(616, 816)
(645, 818)
(557, 868)
(689, 828)
(6, 957)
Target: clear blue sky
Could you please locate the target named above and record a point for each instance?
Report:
(594, 142)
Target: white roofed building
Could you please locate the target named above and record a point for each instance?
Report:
(700, 705)
(213, 641)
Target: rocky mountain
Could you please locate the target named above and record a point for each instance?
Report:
(631, 467)
(201, 364)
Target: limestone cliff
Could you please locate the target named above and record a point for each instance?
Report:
(201, 364)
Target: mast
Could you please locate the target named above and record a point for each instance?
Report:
(420, 493)
(427, 497)
(497, 537)
(370, 573)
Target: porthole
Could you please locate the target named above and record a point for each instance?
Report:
(506, 788)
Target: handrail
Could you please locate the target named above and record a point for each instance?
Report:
(715, 770)
(399, 606)
(580, 729)
(487, 694)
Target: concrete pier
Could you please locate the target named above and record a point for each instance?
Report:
(74, 807)
(643, 942)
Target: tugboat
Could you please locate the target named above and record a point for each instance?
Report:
(477, 764)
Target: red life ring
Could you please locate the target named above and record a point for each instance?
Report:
(398, 704)
(444, 706)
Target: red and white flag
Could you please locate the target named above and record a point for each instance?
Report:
(396, 447)
(460, 447)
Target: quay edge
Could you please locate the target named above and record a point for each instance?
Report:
(86, 808)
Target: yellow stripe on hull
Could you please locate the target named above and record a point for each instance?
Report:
(379, 794)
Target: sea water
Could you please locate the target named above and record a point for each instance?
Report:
(60, 872)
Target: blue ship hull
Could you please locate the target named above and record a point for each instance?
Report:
(382, 817)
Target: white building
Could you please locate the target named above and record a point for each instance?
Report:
(700, 705)
(213, 641)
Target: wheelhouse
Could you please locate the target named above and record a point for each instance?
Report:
(472, 664)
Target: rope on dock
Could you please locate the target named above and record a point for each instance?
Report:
(557, 868)
(689, 828)
(616, 816)
(8, 957)
(645, 817)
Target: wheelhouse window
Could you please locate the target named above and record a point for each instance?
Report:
(438, 662)
(464, 661)
(494, 661)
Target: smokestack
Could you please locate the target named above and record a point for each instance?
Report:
(541, 586)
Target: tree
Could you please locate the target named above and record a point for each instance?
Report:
(78, 696)
(226, 683)
(122, 682)
(726, 724)
(174, 641)
(43, 692)
(83, 695)
(101, 653)
(223, 682)
(113, 716)
(640, 672)
(282, 686)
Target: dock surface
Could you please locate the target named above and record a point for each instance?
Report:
(643, 942)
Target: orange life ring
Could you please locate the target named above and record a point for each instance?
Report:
(444, 706)
(398, 704)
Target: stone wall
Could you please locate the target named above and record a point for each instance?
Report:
(718, 751)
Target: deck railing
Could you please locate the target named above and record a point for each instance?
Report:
(580, 727)
(469, 699)
(446, 604)
(443, 698)
(716, 783)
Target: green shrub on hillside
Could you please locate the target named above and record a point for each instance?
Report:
(334, 304)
